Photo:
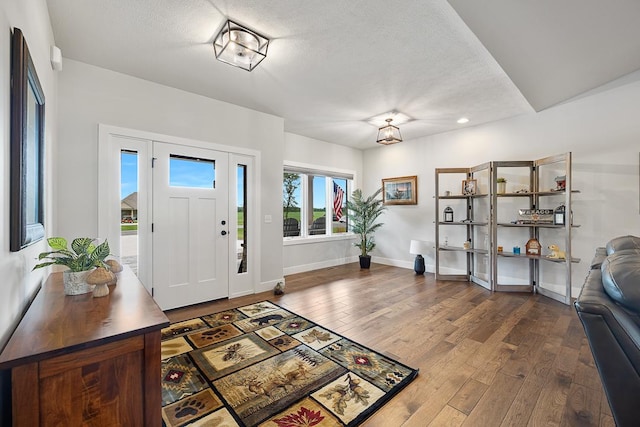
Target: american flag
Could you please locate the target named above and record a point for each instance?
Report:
(338, 197)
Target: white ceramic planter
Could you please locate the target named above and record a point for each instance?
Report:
(75, 283)
(502, 187)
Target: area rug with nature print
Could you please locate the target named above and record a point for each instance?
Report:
(262, 365)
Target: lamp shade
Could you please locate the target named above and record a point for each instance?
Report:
(419, 247)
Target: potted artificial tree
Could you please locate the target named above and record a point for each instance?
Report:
(363, 214)
(81, 259)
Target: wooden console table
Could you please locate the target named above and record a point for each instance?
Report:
(79, 360)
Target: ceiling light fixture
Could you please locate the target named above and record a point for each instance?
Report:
(463, 120)
(239, 46)
(389, 134)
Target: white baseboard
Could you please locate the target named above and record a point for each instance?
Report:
(318, 265)
(429, 268)
(268, 286)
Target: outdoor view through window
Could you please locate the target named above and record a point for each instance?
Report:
(183, 172)
(315, 197)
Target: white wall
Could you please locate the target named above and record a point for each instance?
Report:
(305, 255)
(602, 131)
(18, 282)
(90, 95)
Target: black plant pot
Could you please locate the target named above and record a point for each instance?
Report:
(365, 261)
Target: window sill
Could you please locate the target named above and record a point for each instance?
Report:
(291, 241)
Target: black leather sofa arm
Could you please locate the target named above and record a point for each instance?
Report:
(614, 337)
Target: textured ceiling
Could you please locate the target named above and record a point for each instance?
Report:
(331, 64)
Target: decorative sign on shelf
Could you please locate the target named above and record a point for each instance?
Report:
(533, 247)
(535, 216)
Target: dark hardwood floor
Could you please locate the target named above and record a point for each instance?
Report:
(485, 359)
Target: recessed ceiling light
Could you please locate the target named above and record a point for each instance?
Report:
(463, 120)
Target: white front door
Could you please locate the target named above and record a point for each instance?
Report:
(190, 225)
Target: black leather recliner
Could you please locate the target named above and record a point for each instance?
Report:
(609, 308)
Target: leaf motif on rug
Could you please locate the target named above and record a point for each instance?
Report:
(306, 413)
(348, 396)
(258, 308)
(317, 337)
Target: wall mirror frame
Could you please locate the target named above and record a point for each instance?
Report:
(27, 148)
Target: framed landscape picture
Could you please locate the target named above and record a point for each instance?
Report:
(400, 191)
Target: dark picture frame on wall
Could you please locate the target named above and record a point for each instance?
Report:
(400, 191)
(27, 148)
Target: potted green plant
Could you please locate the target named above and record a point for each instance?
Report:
(502, 185)
(363, 214)
(81, 258)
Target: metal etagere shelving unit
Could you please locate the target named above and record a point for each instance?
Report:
(488, 220)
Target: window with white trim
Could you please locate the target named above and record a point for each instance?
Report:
(309, 197)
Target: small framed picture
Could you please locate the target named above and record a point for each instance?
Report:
(400, 191)
(469, 186)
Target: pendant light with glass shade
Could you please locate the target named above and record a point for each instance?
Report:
(389, 134)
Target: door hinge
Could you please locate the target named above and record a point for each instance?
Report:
(152, 289)
(153, 162)
(152, 227)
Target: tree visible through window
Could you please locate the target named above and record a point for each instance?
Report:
(309, 199)
(291, 204)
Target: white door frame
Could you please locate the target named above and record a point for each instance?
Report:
(110, 140)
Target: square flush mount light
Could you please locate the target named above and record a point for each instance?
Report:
(239, 46)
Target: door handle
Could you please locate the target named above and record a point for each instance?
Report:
(223, 232)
